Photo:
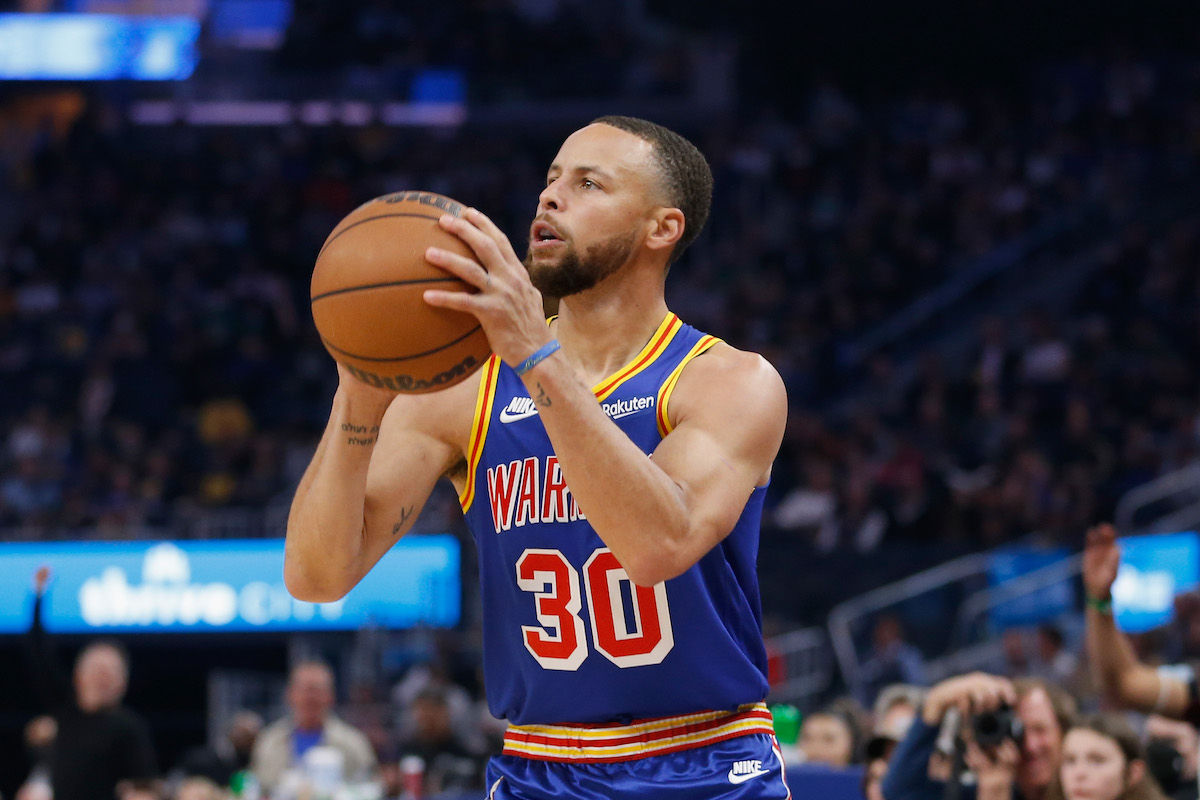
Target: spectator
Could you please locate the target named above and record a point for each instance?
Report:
(873, 775)
(894, 710)
(98, 742)
(218, 764)
(1102, 759)
(39, 741)
(281, 746)
(199, 789)
(450, 764)
(829, 737)
(140, 789)
(1053, 662)
(895, 707)
(892, 660)
(1172, 753)
(1045, 711)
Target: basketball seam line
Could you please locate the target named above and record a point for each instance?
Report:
(403, 358)
(368, 219)
(366, 286)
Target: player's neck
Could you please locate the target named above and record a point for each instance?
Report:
(601, 331)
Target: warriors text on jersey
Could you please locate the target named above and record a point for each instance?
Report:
(567, 636)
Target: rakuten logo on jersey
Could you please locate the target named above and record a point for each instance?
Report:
(623, 408)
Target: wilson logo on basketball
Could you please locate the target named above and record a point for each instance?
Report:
(428, 199)
(407, 383)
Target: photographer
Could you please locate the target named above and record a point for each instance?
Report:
(1019, 761)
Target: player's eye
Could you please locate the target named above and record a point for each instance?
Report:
(588, 183)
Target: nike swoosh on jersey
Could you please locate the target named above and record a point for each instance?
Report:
(736, 779)
(506, 416)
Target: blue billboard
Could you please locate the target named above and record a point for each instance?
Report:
(88, 47)
(1032, 608)
(1154, 568)
(228, 585)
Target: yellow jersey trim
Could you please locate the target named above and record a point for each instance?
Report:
(479, 428)
(664, 393)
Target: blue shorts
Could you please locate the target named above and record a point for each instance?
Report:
(746, 767)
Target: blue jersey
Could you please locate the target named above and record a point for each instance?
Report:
(567, 636)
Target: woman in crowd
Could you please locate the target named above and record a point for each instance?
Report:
(1102, 759)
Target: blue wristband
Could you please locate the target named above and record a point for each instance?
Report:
(539, 355)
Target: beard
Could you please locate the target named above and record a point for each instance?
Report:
(574, 272)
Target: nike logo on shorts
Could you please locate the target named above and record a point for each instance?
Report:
(743, 771)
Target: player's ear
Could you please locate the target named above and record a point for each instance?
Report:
(667, 228)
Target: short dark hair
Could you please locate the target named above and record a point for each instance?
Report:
(686, 176)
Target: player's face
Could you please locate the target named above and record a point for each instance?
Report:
(593, 212)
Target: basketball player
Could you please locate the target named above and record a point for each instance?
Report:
(611, 465)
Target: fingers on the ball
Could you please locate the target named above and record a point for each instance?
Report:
(484, 223)
(466, 268)
(482, 242)
(457, 301)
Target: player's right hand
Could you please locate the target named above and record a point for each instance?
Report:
(1101, 558)
(970, 694)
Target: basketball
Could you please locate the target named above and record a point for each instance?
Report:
(367, 302)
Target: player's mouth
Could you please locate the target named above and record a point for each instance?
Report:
(543, 235)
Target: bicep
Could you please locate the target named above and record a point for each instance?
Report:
(727, 434)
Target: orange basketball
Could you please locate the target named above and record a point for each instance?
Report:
(367, 300)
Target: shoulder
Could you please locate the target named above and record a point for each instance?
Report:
(346, 736)
(276, 732)
(725, 378)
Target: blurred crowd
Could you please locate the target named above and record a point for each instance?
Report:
(160, 365)
(1097, 716)
(153, 302)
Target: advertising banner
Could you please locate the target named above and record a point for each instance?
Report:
(219, 585)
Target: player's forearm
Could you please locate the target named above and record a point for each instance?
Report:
(635, 508)
(324, 549)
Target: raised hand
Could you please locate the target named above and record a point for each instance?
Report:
(41, 579)
(1101, 558)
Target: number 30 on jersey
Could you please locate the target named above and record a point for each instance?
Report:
(635, 637)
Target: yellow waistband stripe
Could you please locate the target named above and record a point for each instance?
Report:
(640, 739)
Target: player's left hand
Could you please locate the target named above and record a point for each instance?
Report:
(507, 305)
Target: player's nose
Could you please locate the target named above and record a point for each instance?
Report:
(550, 198)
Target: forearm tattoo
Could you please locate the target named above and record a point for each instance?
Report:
(360, 435)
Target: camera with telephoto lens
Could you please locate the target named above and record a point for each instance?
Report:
(991, 728)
